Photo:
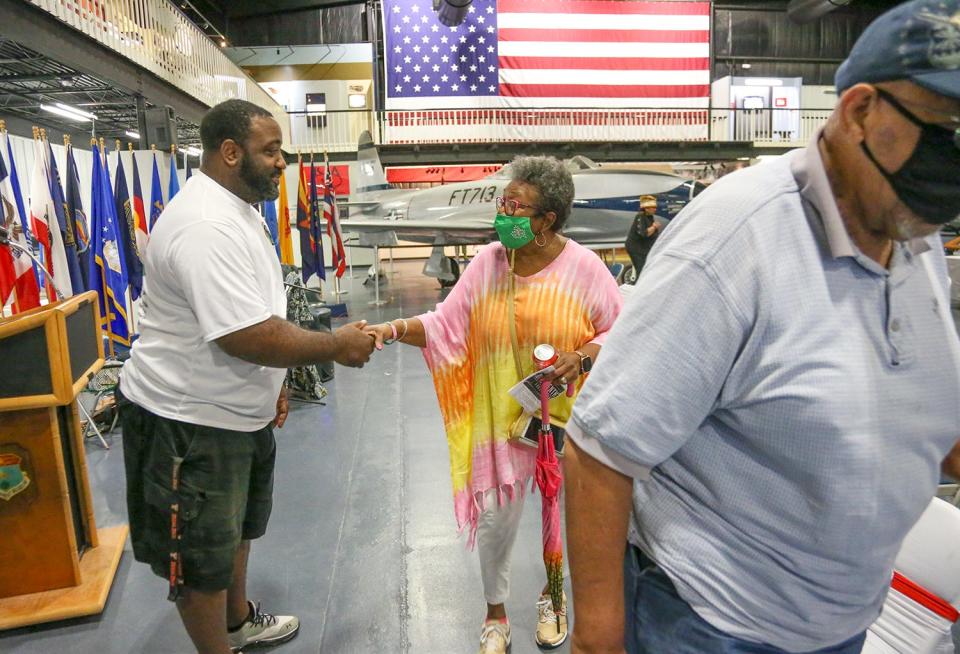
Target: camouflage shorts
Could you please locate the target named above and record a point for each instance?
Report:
(225, 493)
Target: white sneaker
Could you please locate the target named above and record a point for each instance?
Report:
(552, 625)
(263, 629)
(495, 637)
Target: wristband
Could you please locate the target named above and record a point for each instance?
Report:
(404, 329)
(393, 335)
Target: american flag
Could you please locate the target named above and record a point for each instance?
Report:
(549, 53)
(331, 215)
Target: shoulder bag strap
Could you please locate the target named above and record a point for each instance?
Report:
(511, 300)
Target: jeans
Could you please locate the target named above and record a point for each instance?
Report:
(658, 621)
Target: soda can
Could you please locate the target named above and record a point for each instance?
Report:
(544, 355)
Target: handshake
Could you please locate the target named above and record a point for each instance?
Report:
(356, 341)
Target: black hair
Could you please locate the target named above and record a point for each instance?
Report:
(229, 120)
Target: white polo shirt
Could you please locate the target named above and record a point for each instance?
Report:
(210, 270)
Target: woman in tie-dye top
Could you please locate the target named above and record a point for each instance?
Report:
(563, 295)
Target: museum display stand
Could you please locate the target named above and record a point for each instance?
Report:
(54, 562)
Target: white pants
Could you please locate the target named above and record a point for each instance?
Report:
(496, 533)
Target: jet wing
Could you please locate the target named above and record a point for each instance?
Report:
(453, 232)
(606, 183)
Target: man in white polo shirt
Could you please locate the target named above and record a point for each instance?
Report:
(203, 387)
(800, 371)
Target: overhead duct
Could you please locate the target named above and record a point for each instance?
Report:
(451, 12)
(807, 11)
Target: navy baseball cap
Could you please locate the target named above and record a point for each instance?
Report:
(917, 41)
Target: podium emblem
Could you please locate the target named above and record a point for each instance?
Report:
(13, 478)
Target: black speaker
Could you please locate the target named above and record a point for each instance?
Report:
(451, 12)
(161, 128)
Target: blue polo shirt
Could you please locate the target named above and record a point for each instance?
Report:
(787, 399)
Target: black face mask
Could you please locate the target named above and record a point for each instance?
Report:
(929, 181)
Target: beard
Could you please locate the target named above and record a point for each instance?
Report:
(259, 181)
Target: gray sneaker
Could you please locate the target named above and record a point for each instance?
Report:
(262, 629)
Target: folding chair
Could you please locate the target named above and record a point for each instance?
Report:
(102, 385)
(924, 596)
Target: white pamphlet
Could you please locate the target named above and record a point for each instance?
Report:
(527, 392)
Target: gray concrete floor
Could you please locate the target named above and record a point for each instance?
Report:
(362, 544)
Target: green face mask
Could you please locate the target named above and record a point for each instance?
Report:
(514, 231)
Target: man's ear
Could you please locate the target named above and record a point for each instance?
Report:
(854, 107)
(231, 152)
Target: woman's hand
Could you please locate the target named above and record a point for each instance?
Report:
(566, 370)
(380, 333)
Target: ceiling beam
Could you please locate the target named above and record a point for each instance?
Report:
(46, 35)
(47, 77)
(251, 8)
(76, 91)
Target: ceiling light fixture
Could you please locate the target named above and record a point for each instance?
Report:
(79, 112)
(65, 113)
(193, 151)
(132, 134)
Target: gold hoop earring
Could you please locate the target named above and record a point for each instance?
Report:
(537, 240)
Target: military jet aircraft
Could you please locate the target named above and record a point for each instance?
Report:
(461, 214)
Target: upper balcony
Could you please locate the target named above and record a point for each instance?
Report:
(462, 135)
(155, 52)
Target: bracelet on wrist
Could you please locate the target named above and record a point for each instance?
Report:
(393, 335)
(401, 337)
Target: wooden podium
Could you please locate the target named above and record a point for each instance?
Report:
(54, 563)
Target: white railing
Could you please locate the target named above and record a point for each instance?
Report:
(768, 127)
(523, 125)
(333, 131)
(156, 36)
(339, 131)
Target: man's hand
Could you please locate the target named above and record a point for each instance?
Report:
(653, 228)
(282, 409)
(354, 345)
(951, 465)
(598, 504)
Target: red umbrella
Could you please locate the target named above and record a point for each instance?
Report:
(550, 481)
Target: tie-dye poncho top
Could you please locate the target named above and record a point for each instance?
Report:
(571, 302)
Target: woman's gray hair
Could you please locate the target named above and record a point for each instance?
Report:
(552, 181)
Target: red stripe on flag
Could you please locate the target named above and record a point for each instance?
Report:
(588, 63)
(603, 7)
(8, 276)
(604, 36)
(141, 215)
(604, 91)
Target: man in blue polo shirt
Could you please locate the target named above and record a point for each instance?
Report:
(800, 373)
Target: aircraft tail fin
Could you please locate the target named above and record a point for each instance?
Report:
(372, 177)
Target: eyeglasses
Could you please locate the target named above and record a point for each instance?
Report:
(510, 207)
(909, 115)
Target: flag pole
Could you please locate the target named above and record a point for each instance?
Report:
(332, 232)
(47, 282)
(16, 302)
(15, 308)
(103, 279)
(133, 243)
